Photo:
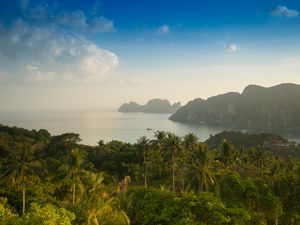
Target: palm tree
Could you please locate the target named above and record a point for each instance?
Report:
(258, 156)
(190, 141)
(173, 146)
(143, 144)
(276, 175)
(98, 205)
(160, 138)
(227, 153)
(200, 169)
(18, 165)
(72, 169)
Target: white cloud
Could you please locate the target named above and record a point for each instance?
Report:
(49, 54)
(78, 20)
(231, 48)
(96, 61)
(164, 29)
(101, 24)
(283, 11)
(75, 19)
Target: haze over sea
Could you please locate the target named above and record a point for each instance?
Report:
(102, 124)
(108, 124)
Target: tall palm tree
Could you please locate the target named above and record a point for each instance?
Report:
(72, 169)
(173, 146)
(18, 165)
(143, 144)
(200, 169)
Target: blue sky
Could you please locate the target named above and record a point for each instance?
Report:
(136, 50)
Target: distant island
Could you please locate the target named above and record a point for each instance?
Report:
(153, 106)
(255, 107)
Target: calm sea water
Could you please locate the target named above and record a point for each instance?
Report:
(104, 124)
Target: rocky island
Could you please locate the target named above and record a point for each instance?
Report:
(153, 106)
(255, 107)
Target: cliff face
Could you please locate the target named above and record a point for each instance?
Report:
(256, 106)
(152, 106)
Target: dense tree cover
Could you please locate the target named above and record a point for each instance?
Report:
(48, 179)
(247, 140)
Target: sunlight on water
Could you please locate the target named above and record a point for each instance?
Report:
(105, 124)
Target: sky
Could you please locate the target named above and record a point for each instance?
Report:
(92, 54)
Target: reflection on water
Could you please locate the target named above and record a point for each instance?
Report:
(110, 125)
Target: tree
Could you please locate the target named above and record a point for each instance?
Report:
(143, 145)
(48, 215)
(72, 169)
(98, 206)
(227, 153)
(7, 216)
(150, 206)
(18, 165)
(276, 175)
(200, 169)
(160, 138)
(190, 141)
(173, 145)
(43, 215)
(258, 157)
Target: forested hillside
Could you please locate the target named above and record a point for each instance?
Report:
(255, 107)
(49, 179)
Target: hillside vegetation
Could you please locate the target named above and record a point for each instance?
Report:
(174, 180)
(255, 107)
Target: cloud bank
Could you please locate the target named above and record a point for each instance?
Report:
(48, 53)
(44, 45)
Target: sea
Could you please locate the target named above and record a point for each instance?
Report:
(108, 124)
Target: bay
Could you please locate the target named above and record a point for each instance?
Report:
(107, 125)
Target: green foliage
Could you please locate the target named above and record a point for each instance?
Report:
(244, 140)
(151, 206)
(63, 182)
(47, 215)
(200, 169)
(7, 217)
(42, 215)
